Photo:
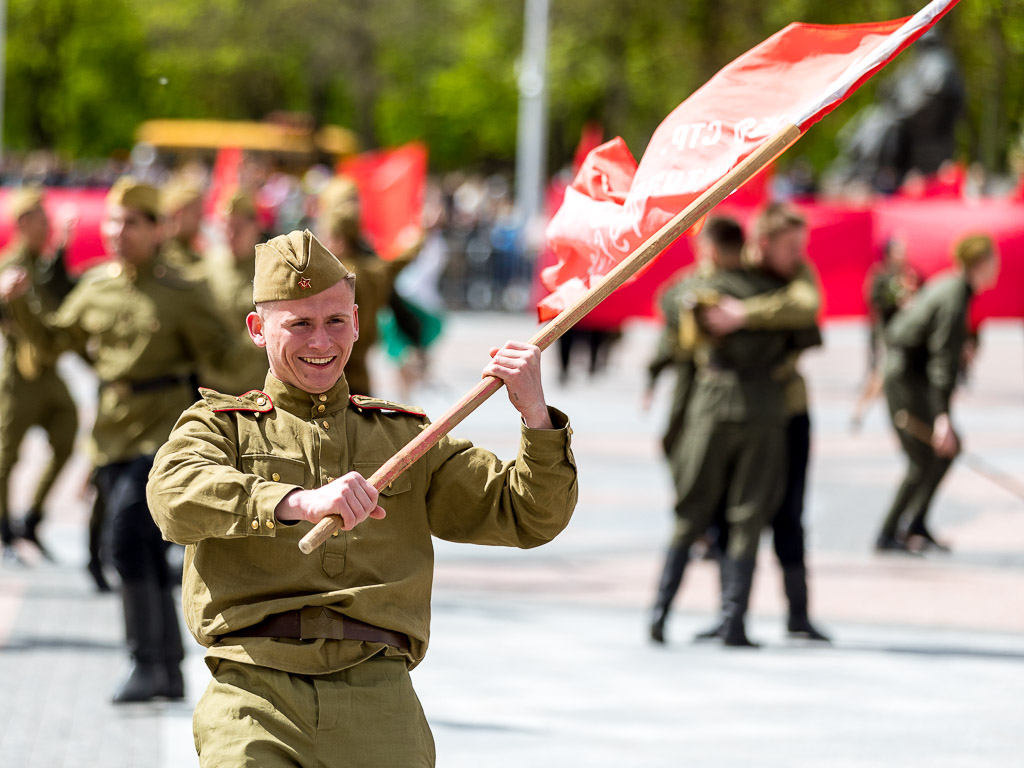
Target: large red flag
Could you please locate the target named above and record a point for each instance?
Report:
(797, 76)
(391, 186)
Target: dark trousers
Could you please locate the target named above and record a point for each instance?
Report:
(787, 523)
(139, 554)
(137, 549)
(925, 469)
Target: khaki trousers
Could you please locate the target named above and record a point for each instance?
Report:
(367, 716)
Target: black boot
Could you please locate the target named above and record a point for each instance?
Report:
(7, 550)
(95, 566)
(671, 577)
(30, 531)
(716, 631)
(739, 578)
(794, 580)
(143, 620)
(172, 649)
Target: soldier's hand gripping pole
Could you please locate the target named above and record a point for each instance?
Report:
(919, 430)
(547, 335)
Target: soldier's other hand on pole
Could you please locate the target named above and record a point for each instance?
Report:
(727, 316)
(13, 283)
(351, 498)
(518, 365)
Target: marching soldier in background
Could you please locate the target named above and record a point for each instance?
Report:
(31, 391)
(229, 273)
(145, 331)
(925, 344)
(780, 237)
(181, 206)
(732, 440)
(338, 224)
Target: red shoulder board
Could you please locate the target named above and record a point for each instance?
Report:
(366, 403)
(252, 401)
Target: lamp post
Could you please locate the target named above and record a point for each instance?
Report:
(531, 136)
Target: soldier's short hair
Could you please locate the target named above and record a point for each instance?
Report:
(973, 249)
(725, 233)
(777, 218)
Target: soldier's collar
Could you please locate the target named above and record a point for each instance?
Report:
(305, 404)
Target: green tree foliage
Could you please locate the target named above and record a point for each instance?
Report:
(83, 73)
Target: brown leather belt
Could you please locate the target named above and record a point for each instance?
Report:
(316, 622)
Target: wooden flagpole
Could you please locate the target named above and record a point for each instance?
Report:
(547, 335)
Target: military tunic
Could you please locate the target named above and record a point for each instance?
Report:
(675, 353)
(181, 257)
(143, 330)
(732, 442)
(230, 283)
(925, 343)
(31, 390)
(229, 462)
(375, 280)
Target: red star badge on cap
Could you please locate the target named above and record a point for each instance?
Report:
(304, 283)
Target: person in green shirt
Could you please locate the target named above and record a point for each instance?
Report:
(313, 651)
(925, 342)
(31, 391)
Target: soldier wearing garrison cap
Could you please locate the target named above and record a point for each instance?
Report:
(339, 226)
(181, 207)
(317, 648)
(228, 272)
(145, 331)
(31, 391)
(925, 345)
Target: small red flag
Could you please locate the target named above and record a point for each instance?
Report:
(797, 76)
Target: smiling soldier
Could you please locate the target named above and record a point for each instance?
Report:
(310, 653)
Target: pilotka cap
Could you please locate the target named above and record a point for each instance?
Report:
(294, 266)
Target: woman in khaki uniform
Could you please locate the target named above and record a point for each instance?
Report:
(314, 650)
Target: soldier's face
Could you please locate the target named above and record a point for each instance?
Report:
(35, 228)
(308, 341)
(785, 251)
(243, 234)
(130, 234)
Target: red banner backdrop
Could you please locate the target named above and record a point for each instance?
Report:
(391, 185)
(846, 240)
(85, 206)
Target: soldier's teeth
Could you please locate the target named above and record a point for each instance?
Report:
(318, 360)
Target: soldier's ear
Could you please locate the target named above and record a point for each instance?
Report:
(254, 323)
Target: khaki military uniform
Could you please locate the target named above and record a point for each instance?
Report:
(31, 391)
(731, 447)
(925, 344)
(794, 308)
(182, 258)
(230, 283)
(144, 330)
(375, 281)
(215, 486)
(675, 352)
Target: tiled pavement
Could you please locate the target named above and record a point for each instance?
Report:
(539, 657)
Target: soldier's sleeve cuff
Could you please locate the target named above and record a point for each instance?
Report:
(263, 502)
(541, 443)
